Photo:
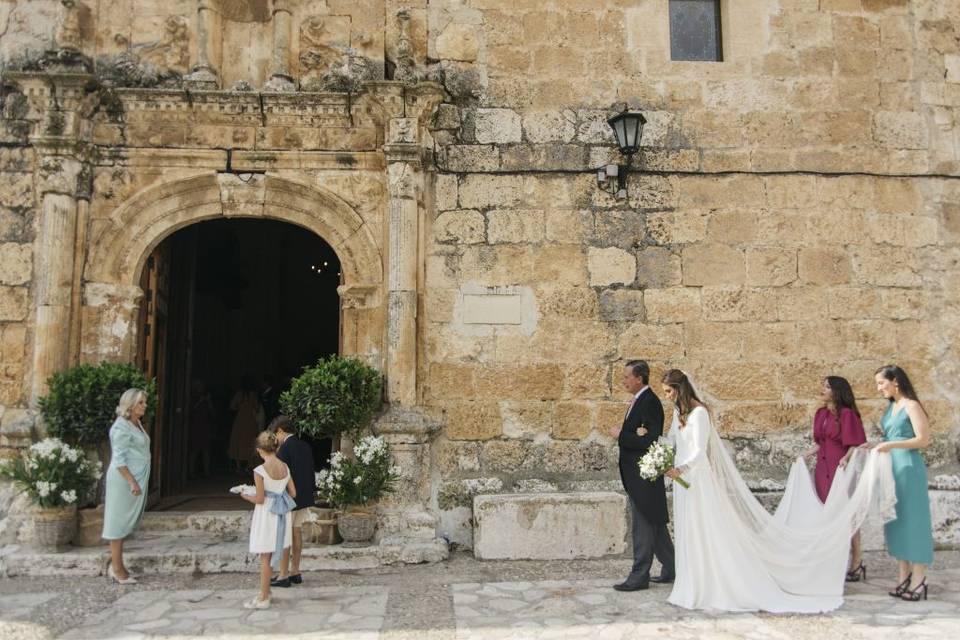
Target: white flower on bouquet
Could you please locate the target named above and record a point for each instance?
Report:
(69, 496)
(657, 460)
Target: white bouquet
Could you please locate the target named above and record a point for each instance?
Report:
(657, 460)
(244, 490)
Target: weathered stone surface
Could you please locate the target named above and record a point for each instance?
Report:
(549, 126)
(610, 266)
(677, 304)
(13, 303)
(713, 264)
(458, 42)
(461, 227)
(622, 305)
(498, 126)
(16, 263)
(824, 266)
(549, 526)
(523, 226)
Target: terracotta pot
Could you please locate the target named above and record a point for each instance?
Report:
(54, 528)
(356, 527)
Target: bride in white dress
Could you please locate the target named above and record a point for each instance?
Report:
(733, 555)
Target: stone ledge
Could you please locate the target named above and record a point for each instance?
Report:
(159, 554)
(549, 526)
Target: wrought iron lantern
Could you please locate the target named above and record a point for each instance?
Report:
(628, 129)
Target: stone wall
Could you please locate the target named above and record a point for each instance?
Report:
(794, 210)
(793, 214)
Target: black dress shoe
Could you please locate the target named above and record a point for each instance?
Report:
(296, 579)
(626, 586)
(662, 579)
(277, 582)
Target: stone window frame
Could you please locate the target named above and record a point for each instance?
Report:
(719, 13)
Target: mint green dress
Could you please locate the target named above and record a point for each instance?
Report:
(910, 536)
(130, 448)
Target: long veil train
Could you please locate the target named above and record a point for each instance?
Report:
(741, 557)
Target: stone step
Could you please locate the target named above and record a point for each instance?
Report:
(159, 553)
(188, 523)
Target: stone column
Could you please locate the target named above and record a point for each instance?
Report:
(203, 75)
(403, 171)
(280, 77)
(55, 268)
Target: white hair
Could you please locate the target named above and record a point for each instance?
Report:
(129, 398)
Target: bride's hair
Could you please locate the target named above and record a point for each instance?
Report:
(686, 396)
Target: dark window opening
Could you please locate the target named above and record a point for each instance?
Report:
(695, 30)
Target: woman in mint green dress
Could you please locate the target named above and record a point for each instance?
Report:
(906, 430)
(127, 479)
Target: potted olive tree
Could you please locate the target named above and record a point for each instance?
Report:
(81, 401)
(333, 398)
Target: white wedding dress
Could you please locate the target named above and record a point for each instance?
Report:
(733, 555)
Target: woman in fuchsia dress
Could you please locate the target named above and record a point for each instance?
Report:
(837, 430)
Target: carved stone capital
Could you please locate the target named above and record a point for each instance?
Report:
(403, 131)
(358, 296)
(62, 174)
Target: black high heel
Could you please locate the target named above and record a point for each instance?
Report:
(858, 574)
(902, 587)
(913, 595)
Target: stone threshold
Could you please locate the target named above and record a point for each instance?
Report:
(159, 553)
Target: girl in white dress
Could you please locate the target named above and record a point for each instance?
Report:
(733, 555)
(271, 529)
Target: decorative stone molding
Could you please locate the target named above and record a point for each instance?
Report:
(118, 251)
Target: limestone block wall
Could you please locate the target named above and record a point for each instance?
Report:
(792, 214)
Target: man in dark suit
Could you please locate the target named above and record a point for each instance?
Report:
(642, 425)
(298, 456)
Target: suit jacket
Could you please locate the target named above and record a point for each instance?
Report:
(650, 498)
(298, 455)
(271, 404)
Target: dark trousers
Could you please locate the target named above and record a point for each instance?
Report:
(649, 540)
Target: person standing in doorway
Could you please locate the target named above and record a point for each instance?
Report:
(269, 398)
(298, 456)
(247, 421)
(642, 426)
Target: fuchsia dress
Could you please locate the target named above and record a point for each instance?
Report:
(835, 436)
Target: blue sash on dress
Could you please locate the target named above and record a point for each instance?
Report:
(282, 505)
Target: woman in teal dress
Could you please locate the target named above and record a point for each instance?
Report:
(127, 479)
(906, 430)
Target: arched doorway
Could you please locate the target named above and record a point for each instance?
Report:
(229, 304)
(124, 242)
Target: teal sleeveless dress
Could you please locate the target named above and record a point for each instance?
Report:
(910, 536)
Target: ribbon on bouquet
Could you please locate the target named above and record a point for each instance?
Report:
(281, 505)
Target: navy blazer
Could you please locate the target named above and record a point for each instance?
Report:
(649, 497)
(298, 455)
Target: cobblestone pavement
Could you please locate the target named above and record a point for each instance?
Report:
(460, 599)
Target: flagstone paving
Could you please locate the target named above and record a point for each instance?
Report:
(460, 599)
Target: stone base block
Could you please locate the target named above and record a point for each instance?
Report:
(549, 526)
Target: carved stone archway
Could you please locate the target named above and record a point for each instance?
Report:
(120, 247)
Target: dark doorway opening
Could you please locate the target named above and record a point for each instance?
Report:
(229, 303)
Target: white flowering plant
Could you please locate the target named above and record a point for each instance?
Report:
(657, 460)
(360, 479)
(53, 473)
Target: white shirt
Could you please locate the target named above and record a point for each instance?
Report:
(635, 398)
